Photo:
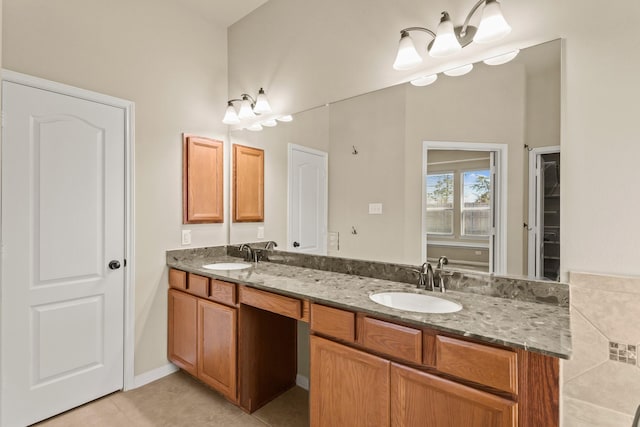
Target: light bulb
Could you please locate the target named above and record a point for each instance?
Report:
(269, 123)
(446, 43)
(502, 59)
(459, 71)
(285, 118)
(407, 57)
(255, 127)
(246, 112)
(492, 26)
(262, 104)
(424, 80)
(230, 115)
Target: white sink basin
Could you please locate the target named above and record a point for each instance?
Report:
(415, 302)
(227, 266)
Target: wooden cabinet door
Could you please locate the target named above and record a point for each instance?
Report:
(348, 387)
(202, 180)
(217, 347)
(183, 322)
(248, 184)
(421, 399)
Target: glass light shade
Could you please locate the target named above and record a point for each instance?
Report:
(492, 26)
(262, 105)
(285, 118)
(407, 57)
(269, 123)
(502, 59)
(255, 127)
(230, 116)
(446, 43)
(424, 80)
(246, 112)
(459, 71)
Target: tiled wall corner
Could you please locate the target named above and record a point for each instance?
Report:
(601, 381)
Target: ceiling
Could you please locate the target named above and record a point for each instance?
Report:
(223, 12)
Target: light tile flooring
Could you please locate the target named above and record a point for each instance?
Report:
(180, 400)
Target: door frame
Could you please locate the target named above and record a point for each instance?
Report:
(534, 219)
(129, 167)
(501, 152)
(325, 156)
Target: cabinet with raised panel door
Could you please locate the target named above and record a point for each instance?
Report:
(203, 333)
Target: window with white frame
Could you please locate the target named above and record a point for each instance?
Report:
(440, 194)
(475, 206)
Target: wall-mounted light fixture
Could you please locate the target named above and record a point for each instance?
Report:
(252, 113)
(448, 39)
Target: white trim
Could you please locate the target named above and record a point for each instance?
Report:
(129, 250)
(470, 245)
(302, 382)
(501, 153)
(154, 375)
(533, 231)
(325, 156)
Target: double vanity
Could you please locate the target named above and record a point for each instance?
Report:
(485, 353)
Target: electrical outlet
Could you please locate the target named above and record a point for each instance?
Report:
(260, 232)
(375, 208)
(186, 237)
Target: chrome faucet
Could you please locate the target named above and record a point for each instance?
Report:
(250, 256)
(439, 273)
(425, 276)
(270, 245)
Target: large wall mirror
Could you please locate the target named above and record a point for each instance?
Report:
(378, 176)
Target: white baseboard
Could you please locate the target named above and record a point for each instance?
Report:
(154, 374)
(302, 382)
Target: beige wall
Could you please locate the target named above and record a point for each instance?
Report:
(310, 55)
(172, 64)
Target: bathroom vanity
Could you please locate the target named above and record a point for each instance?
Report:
(493, 363)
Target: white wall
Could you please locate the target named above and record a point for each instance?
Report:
(172, 64)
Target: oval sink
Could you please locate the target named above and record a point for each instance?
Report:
(415, 302)
(227, 266)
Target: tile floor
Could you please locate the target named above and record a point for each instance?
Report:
(180, 400)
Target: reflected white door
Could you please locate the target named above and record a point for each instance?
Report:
(307, 200)
(62, 223)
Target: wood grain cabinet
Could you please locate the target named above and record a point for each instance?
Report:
(348, 387)
(203, 340)
(248, 184)
(202, 180)
(183, 337)
(420, 399)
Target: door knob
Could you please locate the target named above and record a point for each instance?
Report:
(296, 244)
(114, 265)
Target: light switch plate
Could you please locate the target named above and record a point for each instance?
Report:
(375, 208)
(260, 232)
(186, 237)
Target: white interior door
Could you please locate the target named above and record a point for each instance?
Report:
(63, 214)
(307, 200)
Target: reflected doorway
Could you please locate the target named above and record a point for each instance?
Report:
(463, 195)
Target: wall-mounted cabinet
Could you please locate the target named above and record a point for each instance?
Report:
(248, 184)
(202, 180)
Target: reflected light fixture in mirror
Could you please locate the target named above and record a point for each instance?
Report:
(502, 59)
(449, 39)
(249, 108)
(425, 80)
(285, 118)
(459, 71)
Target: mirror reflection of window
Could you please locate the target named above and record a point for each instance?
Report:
(440, 191)
(476, 203)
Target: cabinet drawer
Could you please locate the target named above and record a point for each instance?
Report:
(274, 303)
(198, 285)
(177, 279)
(395, 340)
(333, 322)
(479, 363)
(223, 292)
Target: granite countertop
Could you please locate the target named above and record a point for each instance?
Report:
(540, 328)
